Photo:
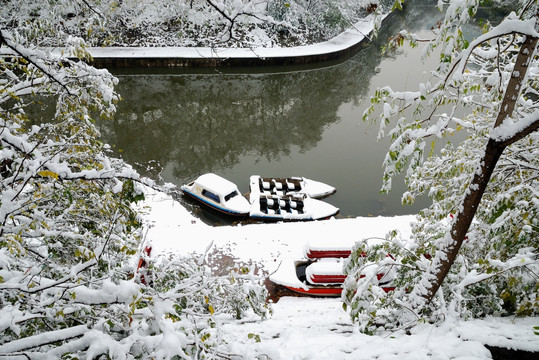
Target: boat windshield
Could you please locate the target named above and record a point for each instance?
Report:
(231, 195)
(211, 195)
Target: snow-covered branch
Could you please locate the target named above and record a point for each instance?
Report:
(47, 338)
(207, 23)
(37, 58)
(509, 26)
(511, 131)
(497, 268)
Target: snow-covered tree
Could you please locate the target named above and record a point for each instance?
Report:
(474, 250)
(69, 236)
(229, 23)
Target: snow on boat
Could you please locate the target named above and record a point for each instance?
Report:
(290, 186)
(298, 207)
(324, 273)
(325, 278)
(320, 247)
(219, 194)
(320, 272)
(316, 250)
(292, 276)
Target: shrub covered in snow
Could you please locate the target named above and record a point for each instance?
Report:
(69, 234)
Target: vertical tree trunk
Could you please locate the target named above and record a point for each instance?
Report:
(477, 187)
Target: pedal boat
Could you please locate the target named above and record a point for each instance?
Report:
(292, 208)
(290, 186)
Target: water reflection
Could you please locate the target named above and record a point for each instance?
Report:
(303, 121)
(202, 123)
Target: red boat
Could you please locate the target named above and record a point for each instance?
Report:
(325, 278)
(321, 273)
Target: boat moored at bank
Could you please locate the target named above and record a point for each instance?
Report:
(218, 193)
(287, 199)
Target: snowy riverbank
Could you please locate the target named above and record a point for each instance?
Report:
(318, 328)
(337, 47)
(354, 35)
(170, 56)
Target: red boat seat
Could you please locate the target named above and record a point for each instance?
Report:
(326, 279)
(327, 253)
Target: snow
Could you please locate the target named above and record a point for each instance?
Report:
(324, 267)
(508, 26)
(216, 184)
(510, 128)
(316, 187)
(45, 338)
(312, 328)
(319, 328)
(109, 293)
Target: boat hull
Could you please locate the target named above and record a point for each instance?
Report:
(323, 291)
(329, 253)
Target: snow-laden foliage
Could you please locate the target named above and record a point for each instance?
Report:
(180, 311)
(468, 102)
(239, 23)
(69, 235)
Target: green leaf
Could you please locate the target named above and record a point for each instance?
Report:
(255, 337)
(397, 5)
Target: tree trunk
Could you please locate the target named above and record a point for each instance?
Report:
(461, 224)
(476, 189)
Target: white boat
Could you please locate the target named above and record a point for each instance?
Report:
(223, 195)
(298, 207)
(219, 194)
(290, 186)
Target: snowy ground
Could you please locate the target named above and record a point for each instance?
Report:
(318, 328)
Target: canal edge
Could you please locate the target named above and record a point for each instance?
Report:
(341, 46)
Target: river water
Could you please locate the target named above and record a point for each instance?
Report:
(285, 121)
